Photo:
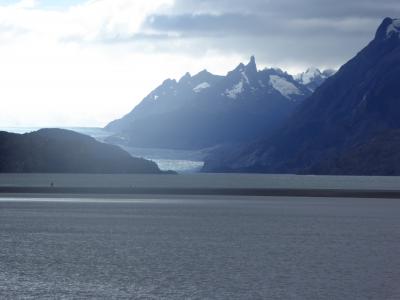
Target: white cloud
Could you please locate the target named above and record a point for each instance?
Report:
(92, 20)
(57, 68)
(24, 4)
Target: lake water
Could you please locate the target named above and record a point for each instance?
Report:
(176, 160)
(204, 248)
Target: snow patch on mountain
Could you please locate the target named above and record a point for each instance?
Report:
(313, 77)
(393, 28)
(244, 75)
(201, 86)
(283, 86)
(235, 90)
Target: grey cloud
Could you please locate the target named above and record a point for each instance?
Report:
(256, 25)
(283, 33)
(301, 32)
(294, 8)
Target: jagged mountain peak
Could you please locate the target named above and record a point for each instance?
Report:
(169, 82)
(313, 71)
(185, 78)
(277, 71)
(204, 75)
(239, 68)
(251, 66)
(203, 72)
(309, 75)
(388, 29)
(252, 60)
(313, 77)
(394, 28)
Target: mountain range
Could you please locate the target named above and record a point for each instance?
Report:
(206, 110)
(349, 125)
(317, 122)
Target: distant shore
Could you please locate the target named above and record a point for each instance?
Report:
(110, 186)
(77, 192)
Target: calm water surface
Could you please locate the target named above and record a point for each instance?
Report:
(258, 248)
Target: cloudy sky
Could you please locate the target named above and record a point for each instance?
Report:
(87, 62)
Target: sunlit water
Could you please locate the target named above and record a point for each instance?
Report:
(216, 248)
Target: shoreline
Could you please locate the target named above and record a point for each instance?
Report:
(98, 192)
(200, 185)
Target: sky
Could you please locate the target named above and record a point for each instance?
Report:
(88, 62)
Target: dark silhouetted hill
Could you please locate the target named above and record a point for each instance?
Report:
(63, 151)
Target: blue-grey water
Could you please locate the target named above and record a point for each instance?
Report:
(212, 248)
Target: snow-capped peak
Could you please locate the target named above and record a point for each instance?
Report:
(390, 28)
(309, 75)
(393, 28)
